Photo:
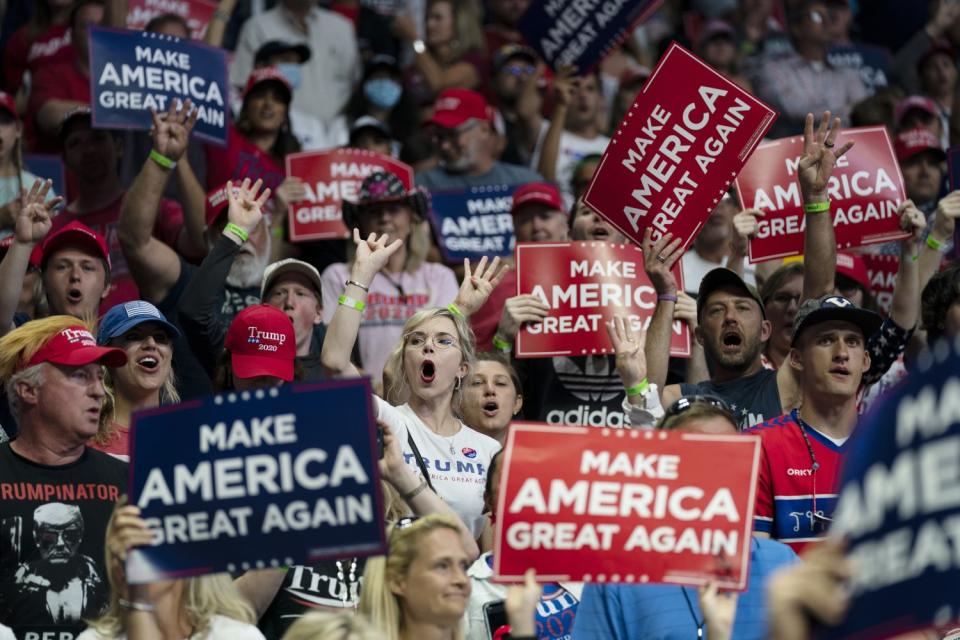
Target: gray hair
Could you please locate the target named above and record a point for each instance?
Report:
(33, 376)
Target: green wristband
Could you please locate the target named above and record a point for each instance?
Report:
(502, 345)
(162, 160)
(240, 233)
(639, 388)
(934, 244)
(817, 207)
(455, 310)
(352, 303)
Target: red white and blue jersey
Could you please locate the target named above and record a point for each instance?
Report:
(787, 481)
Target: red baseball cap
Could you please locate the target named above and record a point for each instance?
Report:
(261, 342)
(913, 141)
(853, 267)
(75, 346)
(454, 107)
(8, 104)
(216, 203)
(539, 192)
(78, 234)
(910, 103)
(268, 74)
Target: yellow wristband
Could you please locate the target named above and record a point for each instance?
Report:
(243, 235)
(638, 388)
(817, 207)
(934, 244)
(455, 310)
(352, 303)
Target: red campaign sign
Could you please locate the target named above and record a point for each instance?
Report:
(624, 505)
(882, 271)
(676, 152)
(332, 177)
(586, 284)
(197, 13)
(865, 190)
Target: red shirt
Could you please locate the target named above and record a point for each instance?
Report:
(61, 81)
(119, 444)
(22, 54)
(167, 229)
(241, 159)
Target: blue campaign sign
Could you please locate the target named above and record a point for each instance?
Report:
(472, 223)
(134, 71)
(899, 505)
(871, 62)
(48, 167)
(581, 32)
(953, 164)
(257, 479)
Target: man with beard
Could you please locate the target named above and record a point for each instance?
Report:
(56, 494)
(160, 272)
(732, 319)
(463, 134)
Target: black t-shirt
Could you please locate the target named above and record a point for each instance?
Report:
(325, 584)
(53, 522)
(753, 399)
(577, 391)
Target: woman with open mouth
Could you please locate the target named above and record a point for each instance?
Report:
(146, 381)
(427, 370)
(492, 396)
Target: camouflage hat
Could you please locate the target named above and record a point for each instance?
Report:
(380, 187)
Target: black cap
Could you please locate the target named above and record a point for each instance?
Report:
(369, 122)
(833, 307)
(381, 61)
(278, 47)
(509, 51)
(723, 277)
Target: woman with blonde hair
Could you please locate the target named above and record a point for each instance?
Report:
(206, 607)
(332, 626)
(427, 370)
(420, 589)
(405, 283)
(146, 381)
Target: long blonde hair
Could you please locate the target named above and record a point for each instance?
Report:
(203, 598)
(377, 601)
(327, 625)
(417, 244)
(467, 19)
(397, 387)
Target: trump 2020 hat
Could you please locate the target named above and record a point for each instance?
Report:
(123, 317)
(261, 342)
(76, 347)
(833, 307)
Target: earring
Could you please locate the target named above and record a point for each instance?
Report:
(456, 387)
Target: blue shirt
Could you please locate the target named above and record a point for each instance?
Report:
(660, 612)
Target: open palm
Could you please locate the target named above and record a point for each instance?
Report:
(36, 214)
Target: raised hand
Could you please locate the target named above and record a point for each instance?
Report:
(290, 190)
(371, 255)
(35, 216)
(563, 85)
(628, 351)
(127, 530)
(392, 464)
(745, 226)
(245, 207)
(521, 605)
(518, 310)
(719, 610)
(819, 156)
(658, 260)
(171, 130)
(478, 285)
(686, 309)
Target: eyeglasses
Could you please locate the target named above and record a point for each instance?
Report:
(418, 339)
(518, 69)
(687, 402)
(783, 299)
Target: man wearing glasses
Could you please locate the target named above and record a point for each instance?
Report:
(803, 449)
(804, 81)
(462, 129)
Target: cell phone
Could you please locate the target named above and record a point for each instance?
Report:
(380, 442)
(495, 614)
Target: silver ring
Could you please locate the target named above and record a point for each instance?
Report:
(828, 145)
(661, 258)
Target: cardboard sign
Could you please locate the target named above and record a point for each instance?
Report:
(678, 149)
(472, 223)
(332, 177)
(256, 479)
(134, 71)
(623, 505)
(899, 505)
(865, 190)
(197, 13)
(882, 270)
(586, 284)
(580, 33)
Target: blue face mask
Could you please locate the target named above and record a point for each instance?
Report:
(384, 93)
(290, 71)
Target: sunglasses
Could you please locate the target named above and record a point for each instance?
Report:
(687, 402)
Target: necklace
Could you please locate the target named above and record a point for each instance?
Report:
(347, 596)
(817, 518)
(693, 614)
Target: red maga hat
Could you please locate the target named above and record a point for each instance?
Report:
(261, 342)
(74, 347)
(539, 192)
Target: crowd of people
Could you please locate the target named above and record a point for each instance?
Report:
(138, 283)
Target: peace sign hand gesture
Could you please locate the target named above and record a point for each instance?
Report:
(35, 216)
(819, 157)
